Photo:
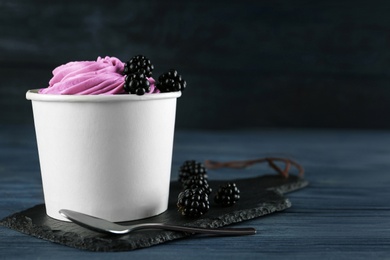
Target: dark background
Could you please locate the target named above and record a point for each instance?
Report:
(320, 64)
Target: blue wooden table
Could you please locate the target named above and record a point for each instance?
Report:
(344, 213)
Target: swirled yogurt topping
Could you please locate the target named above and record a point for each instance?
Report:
(103, 76)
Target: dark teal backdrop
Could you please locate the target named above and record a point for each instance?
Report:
(247, 63)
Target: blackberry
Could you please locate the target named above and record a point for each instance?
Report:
(171, 81)
(139, 64)
(193, 203)
(197, 181)
(227, 195)
(136, 83)
(191, 168)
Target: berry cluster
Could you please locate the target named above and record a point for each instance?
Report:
(197, 181)
(227, 194)
(137, 83)
(138, 68)
(193, 201)
(171, 81)
(191, 168)
(139, 64)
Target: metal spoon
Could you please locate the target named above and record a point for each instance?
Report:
(105, 226)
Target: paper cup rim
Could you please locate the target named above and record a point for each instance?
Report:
(35, 96)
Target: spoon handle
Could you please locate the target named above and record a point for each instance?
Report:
(102, 225)
(200, 230)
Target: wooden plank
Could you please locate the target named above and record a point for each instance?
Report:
(344, 213)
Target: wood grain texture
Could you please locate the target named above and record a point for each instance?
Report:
(343, 214)
(247, 63)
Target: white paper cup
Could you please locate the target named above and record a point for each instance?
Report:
(105, 155)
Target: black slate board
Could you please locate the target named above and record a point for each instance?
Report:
(259, 196)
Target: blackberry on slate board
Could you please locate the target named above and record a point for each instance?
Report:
(190, 168)
(193, 203)
(227, 195)
(197, 181)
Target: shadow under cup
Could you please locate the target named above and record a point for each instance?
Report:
(108, 156)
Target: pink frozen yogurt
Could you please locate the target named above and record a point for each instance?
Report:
(103, 76)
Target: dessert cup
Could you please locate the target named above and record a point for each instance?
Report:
(108, 156)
